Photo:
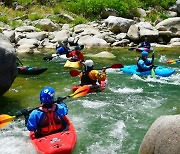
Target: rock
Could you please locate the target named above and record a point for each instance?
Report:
(118, 24)
(164, 36)
(109, 12)
(172, 14)
(36, 35)
(171, 24)
(84, 29)
(163, 137)
(25, 29)
(121, 36)
(90, 41)
(178, 6)
(10, 35)
(46, 25)
(60, 36)
(133, 32)
(8, 67)
(26, 41)
(122, 43)
(142, 12)
(146, 29)
(103, 54)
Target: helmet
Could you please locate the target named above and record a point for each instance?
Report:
(144, 54)
(89, 63)
(78, 48)
(47, 95)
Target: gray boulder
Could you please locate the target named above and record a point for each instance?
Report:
(8, 67)
(118, 24)
(163, 137)
(171, 24)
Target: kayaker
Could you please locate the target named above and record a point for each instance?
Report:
(76, 54)
(90, 76)
(145, 63)
(48, 118)
(62, 48)
(145, 44)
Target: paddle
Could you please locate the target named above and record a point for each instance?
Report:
(152, 70)
(19, 61)
(74, 73)
(6, 119)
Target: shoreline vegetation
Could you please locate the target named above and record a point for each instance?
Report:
(83, 11)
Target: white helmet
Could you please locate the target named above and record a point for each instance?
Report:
(89, 63)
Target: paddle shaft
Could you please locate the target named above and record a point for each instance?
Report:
(19, 61)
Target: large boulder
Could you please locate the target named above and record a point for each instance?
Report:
(171, 24)
(146, 29)
(90, 41)
(118, 24)
(163, 137)
(8, 67)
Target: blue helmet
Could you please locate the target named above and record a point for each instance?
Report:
(47, 95)
(78, 48)
(144, 54)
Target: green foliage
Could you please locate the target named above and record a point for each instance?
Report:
(4, 19)
(15, 24)
(35, 16)
(89, 8)
(56, 10)
(163, 16)
(151, 3)
(22, 2)
(58, 19)
(152, 16)
(79, 20)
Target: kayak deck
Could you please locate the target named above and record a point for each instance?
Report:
(159, 70)
(58, 143)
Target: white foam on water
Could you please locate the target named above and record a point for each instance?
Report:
(115, 71)
(162, 59)
(93, 104)
(126, 90)
(15, 140)
(118, 133)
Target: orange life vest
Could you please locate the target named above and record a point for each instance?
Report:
(50, 122)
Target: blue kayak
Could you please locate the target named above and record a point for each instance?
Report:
(159, 70)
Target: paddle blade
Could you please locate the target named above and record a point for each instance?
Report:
(117, 66)
(5, 120)
(153, 73)
(82, 91)
(74, 73)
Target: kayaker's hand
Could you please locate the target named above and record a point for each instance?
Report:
(25, 112)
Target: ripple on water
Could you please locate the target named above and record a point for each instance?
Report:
(93, 104)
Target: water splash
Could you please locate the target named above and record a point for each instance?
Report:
(126, 90)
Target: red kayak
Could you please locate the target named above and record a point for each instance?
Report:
(58, 143)
(102, 86)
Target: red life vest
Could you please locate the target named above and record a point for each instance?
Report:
(50, 122)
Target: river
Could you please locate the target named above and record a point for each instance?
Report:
(110, 122)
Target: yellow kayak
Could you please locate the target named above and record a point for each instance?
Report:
(70, 64)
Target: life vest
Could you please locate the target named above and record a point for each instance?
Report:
(86, 80)
(50, 122)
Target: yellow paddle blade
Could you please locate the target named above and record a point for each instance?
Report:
(80, 92)
(5, 119)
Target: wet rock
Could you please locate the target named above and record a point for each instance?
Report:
(8, 67)
(163, 137)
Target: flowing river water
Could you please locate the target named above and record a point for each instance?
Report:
(110, 122)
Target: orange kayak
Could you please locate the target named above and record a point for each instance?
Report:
(58, 143)
(102, 86)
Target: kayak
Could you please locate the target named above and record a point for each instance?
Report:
(75, 65)
(58, 143)
(102, 86)
(172, 61)
(159, 71)
(144, 49)
(30, 70)
(56, 58)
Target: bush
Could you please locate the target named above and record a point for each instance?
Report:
(4, 19)
(15, 24)
(35, 16)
